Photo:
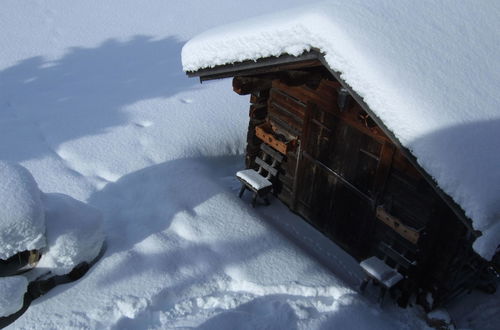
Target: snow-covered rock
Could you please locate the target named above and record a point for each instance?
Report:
(22, 225)
(12, 290)
(74, 233)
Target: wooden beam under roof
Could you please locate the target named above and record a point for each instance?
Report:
(260, 66)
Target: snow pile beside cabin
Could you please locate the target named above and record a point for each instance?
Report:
(428, 69)
(66, 231)
(22, 223)
(74, 233)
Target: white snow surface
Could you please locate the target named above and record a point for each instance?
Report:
(94, 102)
(22, 225)
(74, 234)
(430, 70)
(12, 291)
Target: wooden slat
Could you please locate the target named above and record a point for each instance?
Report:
(266, 166)
(288, 102)
(283, 126)
(395, 256)
(411, 234)
(325, 96)
(266, 134)
(290, 123)
(271, 152)
(300, 167)
(383, 168)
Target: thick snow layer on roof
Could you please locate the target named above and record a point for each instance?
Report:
(74, 233)
(22, 225)
(430, 70)
(12, 290)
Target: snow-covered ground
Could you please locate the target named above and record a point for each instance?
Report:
(93, 101)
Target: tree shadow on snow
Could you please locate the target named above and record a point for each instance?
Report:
(46, 103)
(140, 209)
(144, 203)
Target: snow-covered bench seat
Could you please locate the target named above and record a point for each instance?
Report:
(381, 273)
(254, 180)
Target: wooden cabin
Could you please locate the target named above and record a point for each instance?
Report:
(388, 122)
(346, 175)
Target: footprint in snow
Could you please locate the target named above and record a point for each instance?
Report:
(186, 101)
(143, 124)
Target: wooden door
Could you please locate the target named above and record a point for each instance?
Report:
(338, 167)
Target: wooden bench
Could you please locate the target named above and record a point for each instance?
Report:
(379, 272)
(259, 182)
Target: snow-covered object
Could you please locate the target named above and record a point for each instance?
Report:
(430, 70)
(12, 290)
(22, 225)
(254, 179)
(74, 233)
(381, 271)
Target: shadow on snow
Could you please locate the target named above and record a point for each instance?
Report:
(83, 93)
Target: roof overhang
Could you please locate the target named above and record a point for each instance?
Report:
(315, 58)
(260, 66)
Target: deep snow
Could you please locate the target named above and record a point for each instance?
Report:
(93, 101)
(22, 221)
(12, 289)
(74, 234)
(428, 69)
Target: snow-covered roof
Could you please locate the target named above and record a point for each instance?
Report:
(430, 70)
(22, 225)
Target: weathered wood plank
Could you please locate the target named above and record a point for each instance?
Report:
(383, 168)
(411, 234)
(325, 99)
(288, 102)
(295, 122)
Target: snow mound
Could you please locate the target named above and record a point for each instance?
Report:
(74, 233)
(12, 290)
(428, 70)
(22, 225)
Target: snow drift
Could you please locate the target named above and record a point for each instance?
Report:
(74, 233)
(12, 290)
(22, 225)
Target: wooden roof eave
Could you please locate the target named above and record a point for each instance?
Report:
(261, 66)
(315, 58)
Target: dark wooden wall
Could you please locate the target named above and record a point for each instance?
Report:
(346, 178)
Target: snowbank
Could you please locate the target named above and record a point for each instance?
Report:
(427, 69)
(12, 290)
(74, 233)
(22, 225)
